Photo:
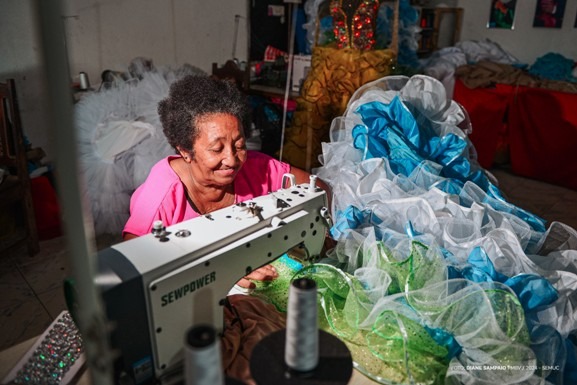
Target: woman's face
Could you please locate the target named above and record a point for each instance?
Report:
(219, 150)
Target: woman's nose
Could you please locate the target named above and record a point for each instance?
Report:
(230, 157)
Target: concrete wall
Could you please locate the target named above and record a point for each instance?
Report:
(106, 34)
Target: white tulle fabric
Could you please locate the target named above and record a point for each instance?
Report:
(119, 139)
(456, 223)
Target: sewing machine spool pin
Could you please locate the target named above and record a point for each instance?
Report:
(313, 183)
(302, 354)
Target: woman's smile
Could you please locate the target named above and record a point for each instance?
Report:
(226, 172)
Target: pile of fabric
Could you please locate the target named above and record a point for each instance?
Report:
(436, 278)
(443, 63)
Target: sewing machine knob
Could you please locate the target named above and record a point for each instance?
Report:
(158, 228)
(183, 233)
(327, 217)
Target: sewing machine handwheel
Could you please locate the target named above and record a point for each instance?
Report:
(267, 364)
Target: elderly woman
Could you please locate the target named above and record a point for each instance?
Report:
(202, 119)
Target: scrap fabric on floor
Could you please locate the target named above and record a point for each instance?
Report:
(436, 276)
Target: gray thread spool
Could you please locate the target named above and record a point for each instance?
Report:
(84, 82)
(202, 361)
(302, 334)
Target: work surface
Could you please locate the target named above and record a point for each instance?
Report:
(10, 357)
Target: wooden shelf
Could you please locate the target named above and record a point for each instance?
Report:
(440, 28)
(268, 91)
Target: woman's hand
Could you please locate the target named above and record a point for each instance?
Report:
(265, 273)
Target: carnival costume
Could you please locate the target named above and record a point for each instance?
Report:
(436, 278)
(337, 70)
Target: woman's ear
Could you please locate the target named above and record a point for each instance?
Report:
(185, 154)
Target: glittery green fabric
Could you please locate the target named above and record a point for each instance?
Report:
(385, 309)
(387, 350)
(276, 291)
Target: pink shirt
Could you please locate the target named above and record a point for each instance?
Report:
(162, 195)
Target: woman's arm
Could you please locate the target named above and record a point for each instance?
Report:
(128, 236)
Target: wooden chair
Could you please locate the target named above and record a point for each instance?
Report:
(17, 222)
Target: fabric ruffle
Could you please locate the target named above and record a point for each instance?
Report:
(436, 277)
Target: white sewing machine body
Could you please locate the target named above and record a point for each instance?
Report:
(157, 286)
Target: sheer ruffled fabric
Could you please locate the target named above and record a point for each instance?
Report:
(436, 278)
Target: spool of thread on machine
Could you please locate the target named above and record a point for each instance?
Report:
(202, 358)
(84, 82)
(202, 363)
(302, 353)
(302, 334)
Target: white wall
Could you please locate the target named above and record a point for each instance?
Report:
(524, 42)
(107, 34)
(21, 59)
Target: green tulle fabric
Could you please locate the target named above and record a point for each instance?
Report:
(385, 310)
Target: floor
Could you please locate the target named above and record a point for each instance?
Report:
(31, 287)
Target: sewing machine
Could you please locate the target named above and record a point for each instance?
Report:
(157, 286)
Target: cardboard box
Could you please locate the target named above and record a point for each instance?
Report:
(301, 68)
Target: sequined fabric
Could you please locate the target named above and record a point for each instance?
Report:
(59, 350)
(354, 27)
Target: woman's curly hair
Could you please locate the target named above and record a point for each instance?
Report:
(193, 98)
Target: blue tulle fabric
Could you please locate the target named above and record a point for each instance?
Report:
(427, 242)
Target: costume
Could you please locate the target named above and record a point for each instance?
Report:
(436, 278)
(162, 196)
(337, 70)
(354, 27)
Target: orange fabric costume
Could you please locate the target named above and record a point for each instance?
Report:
(336, 73)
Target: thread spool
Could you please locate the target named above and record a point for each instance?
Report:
(287, 357)
(202, 361)
(84, 82)
(302, 335)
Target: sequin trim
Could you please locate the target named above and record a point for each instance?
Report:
(359, 32)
